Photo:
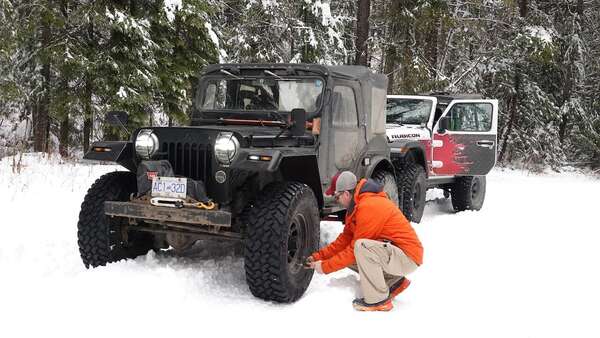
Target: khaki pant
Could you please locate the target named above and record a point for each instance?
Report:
(379, 265)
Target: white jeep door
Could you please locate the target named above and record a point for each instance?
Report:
(468, 146)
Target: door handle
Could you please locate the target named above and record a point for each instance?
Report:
(485, 143)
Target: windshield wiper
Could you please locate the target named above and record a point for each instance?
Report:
(395, 120)
(286, 125)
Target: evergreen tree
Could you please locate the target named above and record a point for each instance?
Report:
(63, 64)
(311, 31)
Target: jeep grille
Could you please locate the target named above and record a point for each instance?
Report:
(189, 159)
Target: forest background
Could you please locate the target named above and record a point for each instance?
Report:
(64, 64)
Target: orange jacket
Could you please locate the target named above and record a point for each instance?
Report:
(373, 216)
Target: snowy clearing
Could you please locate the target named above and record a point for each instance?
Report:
(524, 266)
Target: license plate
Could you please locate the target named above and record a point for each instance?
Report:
(175, 187)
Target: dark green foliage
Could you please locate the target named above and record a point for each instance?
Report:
(137, 56)
(74, 60)
(536, 57)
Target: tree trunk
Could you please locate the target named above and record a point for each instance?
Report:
(523, 8)
(513, 106)
(63, 112)
(88, 112)
(362, 31)
(41, 120)
(391, 53)
(514, 99)
(63, 115)
(431, 52)
(88, 115)
(63, 147)
(569, 79)
(390, 67)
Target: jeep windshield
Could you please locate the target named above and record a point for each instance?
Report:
(257, 97)
(408, 111)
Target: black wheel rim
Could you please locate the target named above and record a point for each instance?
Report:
(296, 242)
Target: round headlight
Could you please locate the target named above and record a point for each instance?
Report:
(226, 147)
(146, 143)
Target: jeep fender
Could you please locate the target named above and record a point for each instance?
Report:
(120, 152)
(379, 163)
(304, 169)
(409, 150)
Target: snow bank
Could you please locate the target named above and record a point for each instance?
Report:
(524, 266)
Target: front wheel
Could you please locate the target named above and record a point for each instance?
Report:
(412, 187)
(468, 193)
(282, 229)
(101, 238)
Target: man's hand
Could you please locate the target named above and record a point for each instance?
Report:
(307, 261)
(316, 265)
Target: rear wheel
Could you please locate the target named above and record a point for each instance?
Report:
(468, 193)
(282, 229)
(101, 238)
(390, 187)
(412, 188)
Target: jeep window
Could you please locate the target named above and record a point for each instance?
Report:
(471, 117)
(378, 102)
(261, 94)
(344, 107)
(408, 111)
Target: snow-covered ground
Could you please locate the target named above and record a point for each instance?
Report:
(527, 265)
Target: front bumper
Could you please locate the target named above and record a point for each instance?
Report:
(191, 216)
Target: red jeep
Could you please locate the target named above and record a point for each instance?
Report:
(441, 141)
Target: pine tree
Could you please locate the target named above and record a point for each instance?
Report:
(65, 63)
(311, 31)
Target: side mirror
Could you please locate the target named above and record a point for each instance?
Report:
(117, 118)
(444, 124)
(298, 122)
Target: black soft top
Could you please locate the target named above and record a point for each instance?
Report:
(350, 72)
(256, 68)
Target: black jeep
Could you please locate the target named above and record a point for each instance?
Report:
(263, 144)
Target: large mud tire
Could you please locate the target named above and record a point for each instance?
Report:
(282, 228)
(390, 186)
(412, 187)
(468, 193)
(100, 237)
